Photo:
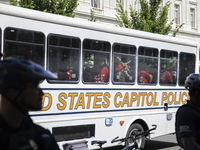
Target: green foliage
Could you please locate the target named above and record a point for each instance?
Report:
(13, 2)
(123, 19)
(177, 29)
(150, 18)
(60, 7)
(92, 18)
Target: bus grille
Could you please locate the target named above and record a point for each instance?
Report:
(73, 132)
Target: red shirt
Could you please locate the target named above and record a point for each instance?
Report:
(102, 76)
(143, 76)
(165, 78)
(119, 67)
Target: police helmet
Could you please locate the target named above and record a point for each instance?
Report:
(192, 81)
(15, 72)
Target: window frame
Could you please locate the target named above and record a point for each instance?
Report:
(169, 59)
(96, 51)
(192, 17)
(124, 54)
(95, 2)
(180, 67)
(60, 36)
(33, 43)
(177, 14)
(144, 56)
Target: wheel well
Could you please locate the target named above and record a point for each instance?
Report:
(142, 123)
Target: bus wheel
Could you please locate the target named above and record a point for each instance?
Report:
(135, 128)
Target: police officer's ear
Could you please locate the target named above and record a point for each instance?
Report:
(11, 93)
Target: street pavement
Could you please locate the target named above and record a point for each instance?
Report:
(167, 142)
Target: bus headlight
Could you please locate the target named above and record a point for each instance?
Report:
(169, 116)
(109, 121)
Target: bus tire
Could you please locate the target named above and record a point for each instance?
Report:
(136, 128)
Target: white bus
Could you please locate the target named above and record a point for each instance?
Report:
(111, 80)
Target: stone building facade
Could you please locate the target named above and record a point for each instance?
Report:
(182, 11)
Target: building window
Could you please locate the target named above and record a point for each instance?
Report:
(177, 14)
(192, 17)
(95, 3)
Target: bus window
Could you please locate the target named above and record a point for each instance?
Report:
(96, 61)
(168, 67)
(124, 63)
(20, 42)
(64, 57)
(147, 65)
(186, 66)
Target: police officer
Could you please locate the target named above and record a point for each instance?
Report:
(20, 93)
(188, 116)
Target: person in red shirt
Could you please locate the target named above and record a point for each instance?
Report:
(166, 77)
(69, 75)
(65, 75)
(103, 75)
(144, 77)
(122, 69)
(121, 65)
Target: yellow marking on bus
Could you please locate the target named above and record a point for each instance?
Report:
(63, 102)
(107, 104)
(115, 99)
(150, 94)
(133, 99)
(82, 100)
(72, 99)
(49, 98)
(96, 100)
(89, 99)
(172, 98)
(125, 100)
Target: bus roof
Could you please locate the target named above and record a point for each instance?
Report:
(68, 21)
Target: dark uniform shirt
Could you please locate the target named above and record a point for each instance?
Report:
(188, 122)
(27, 137)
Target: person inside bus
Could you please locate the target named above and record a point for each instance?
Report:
(187, 124)
(64, 75)
(144, 77)
(87, 77)
(102, 72)
(67, 76)
(122, 70)
(166, 77)
(20, 93)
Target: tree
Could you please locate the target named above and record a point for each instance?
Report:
(61, 7)
(92, 18)
(151, 17)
